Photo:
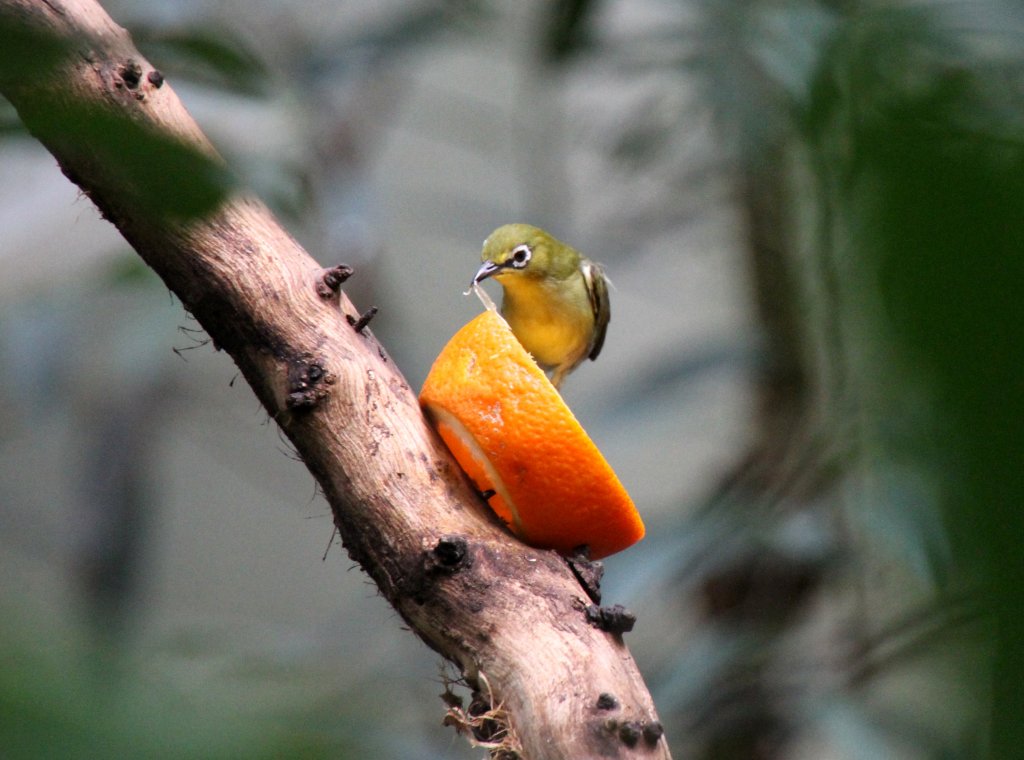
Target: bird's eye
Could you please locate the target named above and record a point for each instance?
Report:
(521, 256)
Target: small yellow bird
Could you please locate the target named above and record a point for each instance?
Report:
(555, 300)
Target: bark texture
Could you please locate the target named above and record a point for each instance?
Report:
(510, 617)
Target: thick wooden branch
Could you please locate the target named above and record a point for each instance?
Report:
(512, 618)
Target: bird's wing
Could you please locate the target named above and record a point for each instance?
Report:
(597, 292)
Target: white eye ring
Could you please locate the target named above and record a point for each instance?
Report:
(521, 255)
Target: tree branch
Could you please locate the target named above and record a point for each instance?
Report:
(510, 617)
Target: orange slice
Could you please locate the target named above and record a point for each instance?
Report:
(512, 433)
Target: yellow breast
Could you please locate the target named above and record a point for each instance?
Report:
(552, 319)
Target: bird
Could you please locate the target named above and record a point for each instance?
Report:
(554, 298)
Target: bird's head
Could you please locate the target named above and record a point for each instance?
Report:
(522, 250)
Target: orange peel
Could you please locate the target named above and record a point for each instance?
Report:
(512, 433)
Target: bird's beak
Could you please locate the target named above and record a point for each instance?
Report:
(486, 269)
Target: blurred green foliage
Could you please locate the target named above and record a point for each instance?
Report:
(919, 136)
(886, 142)
(163, 175)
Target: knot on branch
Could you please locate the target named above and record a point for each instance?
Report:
(307, 383)
(614, 619)
(442, 557)
(450, 554)
(653, 731)
(330, 280)
(361, 323)
(446, 557)
(630, 732)
(130, 75)
(587, 571)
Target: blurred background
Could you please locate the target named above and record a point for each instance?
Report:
(813, 217)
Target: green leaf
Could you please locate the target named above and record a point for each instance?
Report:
(214, 58)
(141, 166)
(138, 162)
